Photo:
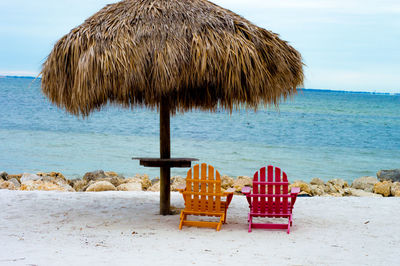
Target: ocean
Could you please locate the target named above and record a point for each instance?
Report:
(325, 134)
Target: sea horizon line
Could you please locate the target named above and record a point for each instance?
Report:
(300, 89)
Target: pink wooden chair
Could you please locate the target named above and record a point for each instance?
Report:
(270, 198)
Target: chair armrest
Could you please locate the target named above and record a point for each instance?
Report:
(295, 190)
(181, 188)
(246, 190)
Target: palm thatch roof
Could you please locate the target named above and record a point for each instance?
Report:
(192, 53)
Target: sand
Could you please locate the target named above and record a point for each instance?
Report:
(124, 228)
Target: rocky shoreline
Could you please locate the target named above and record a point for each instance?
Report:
(387, 183)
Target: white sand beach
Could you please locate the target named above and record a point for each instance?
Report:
(124, 228)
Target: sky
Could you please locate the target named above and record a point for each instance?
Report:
(349, 45)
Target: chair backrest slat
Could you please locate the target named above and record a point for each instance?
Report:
(285, 190)
(203, 186)
(270, 188)
(277, 191)
(217, 190)
(196, 176)
(262, 190)
(255, 191)
(210, 189)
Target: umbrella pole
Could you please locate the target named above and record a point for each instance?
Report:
(165, 153)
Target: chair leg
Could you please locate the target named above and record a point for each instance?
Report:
(225, 216)
(221, 220)
(250, 222)
(183, 217)
(289, 224)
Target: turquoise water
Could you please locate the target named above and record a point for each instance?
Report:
(322, 134)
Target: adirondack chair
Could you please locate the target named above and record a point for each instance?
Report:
(203, 197)
(270, 198)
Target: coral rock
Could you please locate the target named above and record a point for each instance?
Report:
(242, 181)
(177, 181)
(395, 189)
(79, 184)
(111, 174)
(101, 186)
(29, 177)
(15, 182)
(131, 186)
(365, 183)
(6, 185)
(18, 177)
(227, 182)
(93, 176)
(155, 187)
(338, 183)
(359, 193)
(317, 181)
(317, 190)
(40, 185)
(144, 179)
(383, 188)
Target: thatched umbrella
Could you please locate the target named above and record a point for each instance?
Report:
(172, 56)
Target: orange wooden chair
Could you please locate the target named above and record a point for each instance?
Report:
(203, 197)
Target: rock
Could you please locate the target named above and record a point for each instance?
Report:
(144, 179)
(317, 181)
(395, 189)
(177, 181)
(95, 175)
(3, 175)
(302, 185)
(227, 182)
(6, 185)
(383, 188)
(359, 193)
(155, 187)
(242, 181)
(155, 180)
(101, 186)
(53, 175)
(317, 190)
(56, 178)
(389, 175)
(131, 186)
(40, 185)
(111, 174)
(27, 177)
(115, 180)
(338, 182)
(335, 187)
(16, 183)
(18, 177)
(79, 184)
(365, 183)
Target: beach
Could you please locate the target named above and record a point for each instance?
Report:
(124, 228)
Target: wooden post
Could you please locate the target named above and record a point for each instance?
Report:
(165, 153)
